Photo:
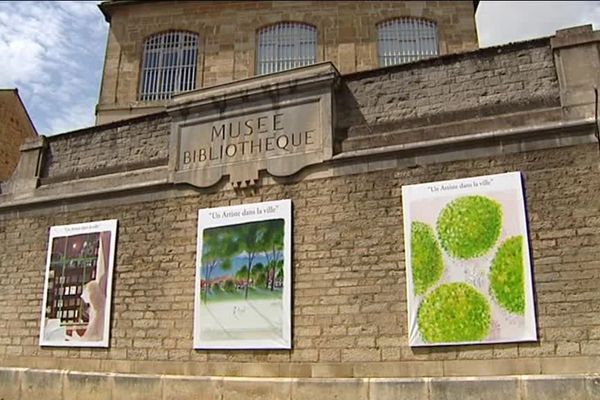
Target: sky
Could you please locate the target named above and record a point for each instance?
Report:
(53, 51)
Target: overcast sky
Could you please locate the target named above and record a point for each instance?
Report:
(53, 51)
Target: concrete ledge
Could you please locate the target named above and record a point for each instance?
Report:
(22, 384)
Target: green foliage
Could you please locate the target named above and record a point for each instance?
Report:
(454, 312)
(469, 226)
(426, 257)
(507, 278)
(222, 244)
(229, 285)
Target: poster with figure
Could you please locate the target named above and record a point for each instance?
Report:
(468, 262)
(78, 285)
(243, 277)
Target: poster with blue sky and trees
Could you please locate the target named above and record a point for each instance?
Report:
(243, 277)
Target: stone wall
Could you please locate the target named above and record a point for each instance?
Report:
(111, 148)
(349, 303)
(347, 36)
(487, 82)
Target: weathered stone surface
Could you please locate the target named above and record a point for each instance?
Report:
(355, 389)
(90, 386)
(592, 384)
(260, 389)
(475, 389)
(10, 383)
(198, 388)
(136, 387)
(414, 389)
(42, 384)
(108, 149)
(538, 388)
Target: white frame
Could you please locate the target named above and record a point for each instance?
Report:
(283, 210)
(510, 184)
(78, 229)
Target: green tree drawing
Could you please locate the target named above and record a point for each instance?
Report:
(218, 249)
(273, 252)
(250, 238)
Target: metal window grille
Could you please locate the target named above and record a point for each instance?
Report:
(285, 45)
(403, 40)
(168, 65)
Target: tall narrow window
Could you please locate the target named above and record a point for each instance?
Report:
(285, 45)
(168, 65)
(403, 40)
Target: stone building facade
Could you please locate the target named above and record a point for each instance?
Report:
(346, 34)
(528, 107)
(15, 129)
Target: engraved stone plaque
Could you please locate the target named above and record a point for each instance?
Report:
(280, 123)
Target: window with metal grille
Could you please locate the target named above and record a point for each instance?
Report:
(168, 65)
(403, 40)
(285, 45)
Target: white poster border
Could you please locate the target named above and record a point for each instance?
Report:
(77, 229)
(477, 185)
(206, 220)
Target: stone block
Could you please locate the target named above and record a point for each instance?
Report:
(10, 383)
(554, 388)
(255, 389)
(89, 386)
(475, 389)
(137, 387)
(341, 389)
(592, 384)
(42, 384)
(405, 389)
(191, 388)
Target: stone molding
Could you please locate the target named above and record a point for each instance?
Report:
(303, 101)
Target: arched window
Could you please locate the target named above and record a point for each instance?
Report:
(168, 65)
(403, 40)
(285, 45)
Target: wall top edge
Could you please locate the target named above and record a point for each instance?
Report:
(286, 80)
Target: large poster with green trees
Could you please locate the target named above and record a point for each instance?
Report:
(468, 262)
(243, 278)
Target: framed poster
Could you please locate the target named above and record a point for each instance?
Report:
(467, 262)
(243, 277)
(78, 285)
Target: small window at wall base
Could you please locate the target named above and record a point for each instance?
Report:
(168, 65)
(284, 46)
(403, 40)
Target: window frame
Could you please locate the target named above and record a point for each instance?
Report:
(159, 81)
(403, 33)
(297, 56)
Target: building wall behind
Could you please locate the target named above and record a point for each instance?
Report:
(15, 128)
(347, 36)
